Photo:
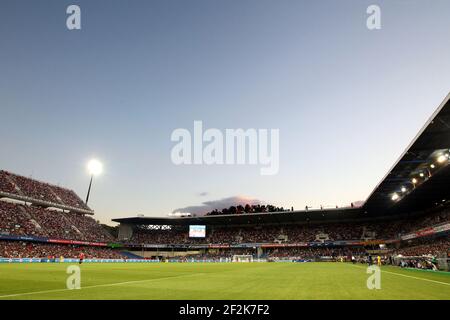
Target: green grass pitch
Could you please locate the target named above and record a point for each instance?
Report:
(219, 281)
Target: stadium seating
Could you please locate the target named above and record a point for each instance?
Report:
(22, 186)
(14, 220)
(293, 233)
(19, 249)
(28, 219)
(20, 219)
(25, 219)
(313, 253)
(433, 247)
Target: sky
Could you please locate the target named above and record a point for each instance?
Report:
(346, 100)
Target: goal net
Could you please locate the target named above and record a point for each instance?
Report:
(443, 264)
(242, 258)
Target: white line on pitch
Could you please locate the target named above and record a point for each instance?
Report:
(404, 275)
(96, 286)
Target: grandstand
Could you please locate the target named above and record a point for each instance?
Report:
(409, 207)
(40, 220)
(13, 186)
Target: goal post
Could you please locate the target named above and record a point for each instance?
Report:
(242, 258)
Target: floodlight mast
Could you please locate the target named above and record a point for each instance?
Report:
(89, 189)
(95, 168)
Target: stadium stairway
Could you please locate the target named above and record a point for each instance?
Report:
(130, 255)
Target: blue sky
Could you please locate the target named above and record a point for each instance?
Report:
(347, 100)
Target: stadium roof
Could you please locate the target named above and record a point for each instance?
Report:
(421, 170)
(419, 180)
(248, 218)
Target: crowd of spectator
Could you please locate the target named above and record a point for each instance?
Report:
(419, 263)
(415, 256)
(89, 228)
(160, 236)
(429, 247)
(6, 184)
(304, 253)
(293, 233)
(423, 253)
(315, 252)
(19, 249)
(13, 220)
(20, 219)
(69, 198)
(23, 186)
(215, 255)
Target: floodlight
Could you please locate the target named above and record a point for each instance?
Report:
(442, 158)
(95, 167)
(395, 197)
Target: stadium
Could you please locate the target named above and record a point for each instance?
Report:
(242, 252)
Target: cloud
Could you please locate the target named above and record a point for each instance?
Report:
(203, 194)
(220, 204)
(358, 203)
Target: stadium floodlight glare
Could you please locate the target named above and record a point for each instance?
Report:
(403, 189)
(95, 168)
(442, 158)
(432, 166)
(421, 174)
(414, 180)
(395, 197)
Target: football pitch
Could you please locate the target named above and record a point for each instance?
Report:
(214, 281)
